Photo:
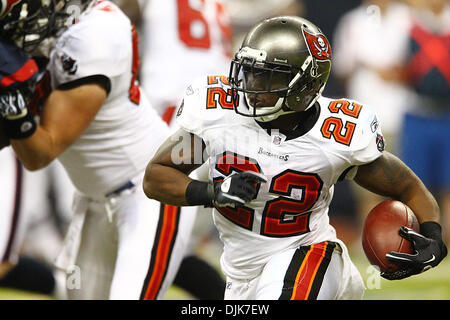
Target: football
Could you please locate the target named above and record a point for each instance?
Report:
(380, 233)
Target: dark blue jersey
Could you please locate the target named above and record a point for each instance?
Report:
(16, 67)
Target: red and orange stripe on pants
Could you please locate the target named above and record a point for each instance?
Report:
(306, 271)
(162, 249)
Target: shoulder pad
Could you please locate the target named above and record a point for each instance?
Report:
(354, 127)
(206, 103)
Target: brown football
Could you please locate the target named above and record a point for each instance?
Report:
(380, 233)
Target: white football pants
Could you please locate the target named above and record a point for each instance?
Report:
(124, 247)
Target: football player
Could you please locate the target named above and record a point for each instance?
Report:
(97, 122)
(198, 38)
(18, 72)
(172, 33)
(276, 147)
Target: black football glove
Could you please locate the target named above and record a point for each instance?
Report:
(19, 73)
(19, 122)
(429, 251)
(13, 104)
(237, 189)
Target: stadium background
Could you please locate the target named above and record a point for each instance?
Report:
(349, 206)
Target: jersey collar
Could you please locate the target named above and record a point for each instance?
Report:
(309, 119)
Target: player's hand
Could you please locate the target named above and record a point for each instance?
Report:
(237, 189)
(428, 253)
(19, 123)
(13, 104)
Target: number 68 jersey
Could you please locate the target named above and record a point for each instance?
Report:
(301, 166)
(116, 145)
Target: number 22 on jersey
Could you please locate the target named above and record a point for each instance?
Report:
(334, 127)
(283, 216)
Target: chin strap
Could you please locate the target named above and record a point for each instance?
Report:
(282, 112)
(273, 116)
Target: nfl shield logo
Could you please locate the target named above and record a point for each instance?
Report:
(277, 140)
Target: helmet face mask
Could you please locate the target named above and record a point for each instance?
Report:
(29, 23)
(276, 69)
(262, 84)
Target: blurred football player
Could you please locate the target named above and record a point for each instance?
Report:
(188, 39)
(276, 148)
(427, 74)
(18, 72)
(196, 41)
(96, 120)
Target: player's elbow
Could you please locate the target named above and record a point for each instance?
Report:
(149, 183)
(35, 164)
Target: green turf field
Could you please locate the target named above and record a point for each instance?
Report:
(431, 285)
(9, 294)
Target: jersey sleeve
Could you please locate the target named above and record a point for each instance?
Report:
(368, 143)
(191, 113)
(96, 48)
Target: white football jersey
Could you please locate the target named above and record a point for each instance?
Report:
(291, 209)
(126, 131)
(182, 40)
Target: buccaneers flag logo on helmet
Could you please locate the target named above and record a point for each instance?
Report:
(6, 6)
(318, 45)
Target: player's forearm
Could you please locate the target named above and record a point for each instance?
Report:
(35, 152)
(421, 202)
(410, 190)
(389, 176)
(166, 184)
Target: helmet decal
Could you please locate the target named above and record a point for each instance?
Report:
(318, 45)
(6, 6)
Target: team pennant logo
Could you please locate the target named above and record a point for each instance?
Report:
(318, 45)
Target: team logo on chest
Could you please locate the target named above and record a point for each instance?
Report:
(267, 153)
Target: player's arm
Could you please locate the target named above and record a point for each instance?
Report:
(389, 176)
(167, 177)
(66, 114)
(167, 174)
